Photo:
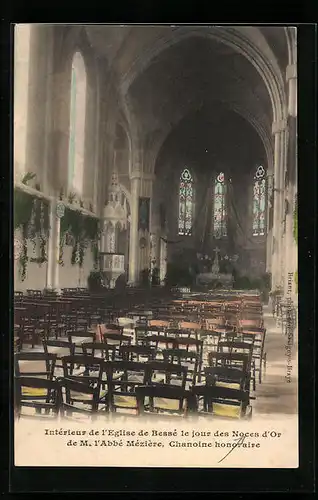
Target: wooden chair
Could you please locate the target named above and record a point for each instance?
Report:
(189, 325)
(259, 354)
(160, 372)
(37, 394)
(122, 379)
(222, 402)
(80, 398)
(137, 353)
(159, 342)
(100, 349)
(227, 376)
(59, 348)
(229, 359)
(157, 325)
(236, 346)
(162, 400)
(189, 359)
(19, 319)
(140, 334)
(84, 369)
(35, 364)
(78, 338)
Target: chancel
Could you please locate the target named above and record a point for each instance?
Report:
(155, 220)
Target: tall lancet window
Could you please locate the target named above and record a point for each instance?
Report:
(77, 125)
(186, 203)
(219, 211)
(259, 202)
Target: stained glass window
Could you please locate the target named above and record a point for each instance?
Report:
(259, 202)
(77, 125)
(186, 203)
(219, 212)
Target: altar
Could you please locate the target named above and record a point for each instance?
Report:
(215, 278)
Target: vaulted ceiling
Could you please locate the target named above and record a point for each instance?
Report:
(165, 73)
(207, 141)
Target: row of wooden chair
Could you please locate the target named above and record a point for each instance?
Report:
(86, 386)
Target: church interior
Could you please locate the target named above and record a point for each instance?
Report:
(155, 221)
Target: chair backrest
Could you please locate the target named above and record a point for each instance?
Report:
(160, 341)
(188, 343)
(211, 323)
(77, 337)
(59, 347)
(231, 359)
(158, 322)
(189, 325)
(126, 322)
(116, 339)
(190, 359)
(106, 351)
(154, 399)
(222, 401)
(122, 379)
(130, 352)
(254, 323)
(159, 372)
(35, 364)
(111, 328)
(19, 315)
(79, 397)
(235, 346)
(86, 369)
(226, 376)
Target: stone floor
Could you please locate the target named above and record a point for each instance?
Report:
(275, 395)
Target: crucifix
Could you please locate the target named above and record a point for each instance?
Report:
(216, 267)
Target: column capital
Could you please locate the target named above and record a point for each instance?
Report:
(279, 126)
(291, 71)
(136, 174)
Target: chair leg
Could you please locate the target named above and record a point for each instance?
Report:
(260, 371)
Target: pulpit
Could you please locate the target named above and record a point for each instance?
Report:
(112, 266)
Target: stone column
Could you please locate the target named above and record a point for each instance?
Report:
(146, 186)
(155, 248)
(52, 281)
(163, 260)
(22, 34)
(39, 101)
(279, 131)
(46, 187)
(269, 225)
(290, 256)
(133, 243)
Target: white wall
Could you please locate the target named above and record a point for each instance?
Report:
(71, 276)
(35, 273)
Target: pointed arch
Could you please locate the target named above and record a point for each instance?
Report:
(219, 207)
(76, 153)
(186, 203)
(259, 201)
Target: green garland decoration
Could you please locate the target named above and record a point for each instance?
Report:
(84, 230)
(31, 215)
